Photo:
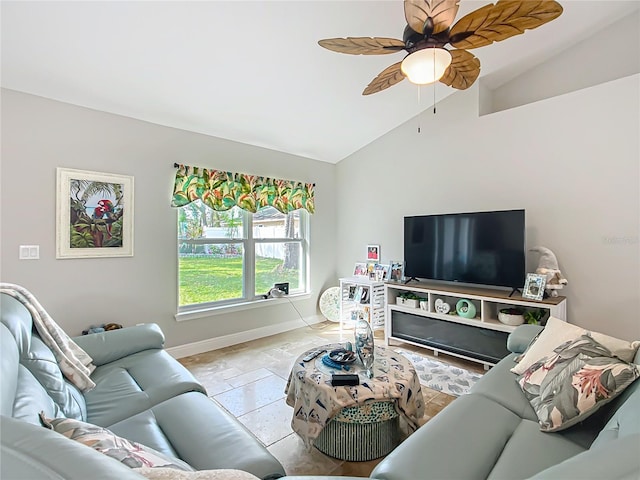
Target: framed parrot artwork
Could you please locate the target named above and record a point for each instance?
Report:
(94, 214)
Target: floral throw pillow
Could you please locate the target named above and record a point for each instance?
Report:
(132, 454)
(557, 332)
(574, 381)
(172, 474)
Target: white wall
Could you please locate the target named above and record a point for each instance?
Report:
(609, 54)
(571, 161)
(39, 135)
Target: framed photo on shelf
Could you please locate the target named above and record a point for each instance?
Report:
(359, 314)
(364, 295)
(382, 272)
(357, 297)
(371, 272)
(360, 270)
(373, 253)
(397, 271)
(94, 214)
(534, 286)
(352, 292)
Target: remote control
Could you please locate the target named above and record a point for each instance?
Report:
(338, 380)
(313, 354)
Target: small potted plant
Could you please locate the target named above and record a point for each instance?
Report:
(408, 299)
(535, 316)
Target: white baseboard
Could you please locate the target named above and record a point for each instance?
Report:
(235, 338)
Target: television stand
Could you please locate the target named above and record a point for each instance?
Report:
(409, 279)
(480, 339)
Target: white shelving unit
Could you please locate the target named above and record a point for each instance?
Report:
(352, 298)
(486, 301)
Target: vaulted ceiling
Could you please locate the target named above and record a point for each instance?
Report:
(250, 71)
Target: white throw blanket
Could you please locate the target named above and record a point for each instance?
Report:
(74, 362)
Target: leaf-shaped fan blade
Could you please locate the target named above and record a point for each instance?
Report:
(385, 79)
(363, 45)
(463, 71)
(494, 23)
(443, 13)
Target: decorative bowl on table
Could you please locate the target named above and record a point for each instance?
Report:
(342, 356)
(511, 316)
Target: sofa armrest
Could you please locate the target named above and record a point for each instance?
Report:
(31, 451)
(113, 345)
(521, 337)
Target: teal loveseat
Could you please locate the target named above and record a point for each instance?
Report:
(493, 433)
(142, 394)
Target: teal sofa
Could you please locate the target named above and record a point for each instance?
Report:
(493, 433)
(142, 394)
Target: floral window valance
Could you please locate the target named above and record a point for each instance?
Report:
(223, 190)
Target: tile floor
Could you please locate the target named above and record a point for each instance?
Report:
(249, 380)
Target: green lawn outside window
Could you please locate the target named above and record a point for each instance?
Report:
(206, 279)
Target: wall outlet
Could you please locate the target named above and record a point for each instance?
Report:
(29, 252)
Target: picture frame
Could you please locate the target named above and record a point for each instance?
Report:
(352, 292)
(371, 273)
(358, 295)
(382, 272)
(364, 295)
(373, 253)
(360, 270)
(534, 286)
(397, 271)
(94, 214)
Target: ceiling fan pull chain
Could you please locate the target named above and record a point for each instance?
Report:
(434, 98)
(435, 81)
(419, 102)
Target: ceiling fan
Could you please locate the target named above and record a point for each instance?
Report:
(429, 29)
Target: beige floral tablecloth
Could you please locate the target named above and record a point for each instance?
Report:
(315, 401)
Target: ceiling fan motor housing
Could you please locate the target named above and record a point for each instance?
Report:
(415, 41)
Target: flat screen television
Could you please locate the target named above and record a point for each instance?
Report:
(484, 248)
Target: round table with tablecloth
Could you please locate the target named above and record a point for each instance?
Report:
(355, 423)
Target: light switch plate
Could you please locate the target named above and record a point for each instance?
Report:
(29, 252)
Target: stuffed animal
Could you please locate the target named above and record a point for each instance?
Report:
(101, 328)
(548, 266)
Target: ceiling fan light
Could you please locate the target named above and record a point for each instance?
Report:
(426, 66)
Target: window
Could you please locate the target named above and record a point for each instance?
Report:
(235, 256)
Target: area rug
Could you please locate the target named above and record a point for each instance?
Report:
(441, 376)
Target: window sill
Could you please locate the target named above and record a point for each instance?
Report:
(237, 307)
